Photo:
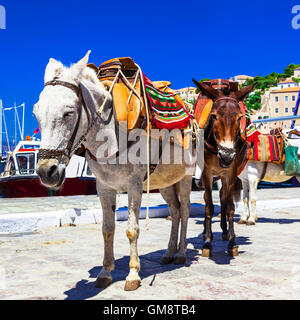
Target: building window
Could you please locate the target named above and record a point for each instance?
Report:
(293, 98)
(282, 86)
(293, 109)
(276, 110)
(286, 110)
(276, 99)
(286, 98)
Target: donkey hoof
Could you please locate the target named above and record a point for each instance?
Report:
(233, 252)
(242, 221)
(102, 283)
(131, 285)
(180, 260)
(256, 218)
(250, 223)
(166, 260)
(168, 218)
(206, 253)
(225, 237)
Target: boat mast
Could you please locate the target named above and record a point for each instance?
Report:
(23, 121)
(15, 124)
(21, 129)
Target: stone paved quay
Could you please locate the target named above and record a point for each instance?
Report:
(62, 263)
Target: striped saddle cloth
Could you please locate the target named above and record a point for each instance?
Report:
(267, 148)
(167, 108)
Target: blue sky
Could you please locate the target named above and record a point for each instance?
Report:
(170, 40)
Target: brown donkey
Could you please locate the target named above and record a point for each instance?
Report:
(224, 156)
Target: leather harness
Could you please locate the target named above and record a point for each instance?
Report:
(53, 153)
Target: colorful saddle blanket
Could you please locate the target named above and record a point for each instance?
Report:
(167, 108)
(265, 148)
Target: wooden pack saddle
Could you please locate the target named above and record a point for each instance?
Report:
(128, 106)
(122, 92)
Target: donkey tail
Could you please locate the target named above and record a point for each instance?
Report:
(238, 187)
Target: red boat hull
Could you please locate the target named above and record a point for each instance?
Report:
(19, 187)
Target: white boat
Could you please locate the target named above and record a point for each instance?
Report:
(19, 178)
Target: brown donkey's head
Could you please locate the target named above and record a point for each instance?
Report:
(225, 128)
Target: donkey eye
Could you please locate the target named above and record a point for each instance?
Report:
(214, 117)
(68, 114)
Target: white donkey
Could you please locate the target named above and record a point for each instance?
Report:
(252, 175)
(67, 106)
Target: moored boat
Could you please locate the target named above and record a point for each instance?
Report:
(19, 178)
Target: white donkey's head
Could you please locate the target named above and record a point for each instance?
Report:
(60, 116)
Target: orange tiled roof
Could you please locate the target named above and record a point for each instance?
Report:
(295, 89)
(286, 81)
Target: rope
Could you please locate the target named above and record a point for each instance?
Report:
(139, 73)
(194, 124)
(148, 149)
(285, 139)
(98, 113)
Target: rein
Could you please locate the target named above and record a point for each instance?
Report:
(54, 153)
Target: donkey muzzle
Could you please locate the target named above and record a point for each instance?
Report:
(226, 156)
(51, 173)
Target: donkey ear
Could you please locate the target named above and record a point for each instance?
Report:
(210, 92)
(53, 70)
(240, 95)
(78, 67)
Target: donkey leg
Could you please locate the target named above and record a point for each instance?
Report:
(108, 203)
(223, 198)
(253, 181)
(246, 213)
(232, 247)
(185, 188)
(207, 179)
(170, 196)
(135, 192)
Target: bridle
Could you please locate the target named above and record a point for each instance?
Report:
(226, 98)
(55, 153)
